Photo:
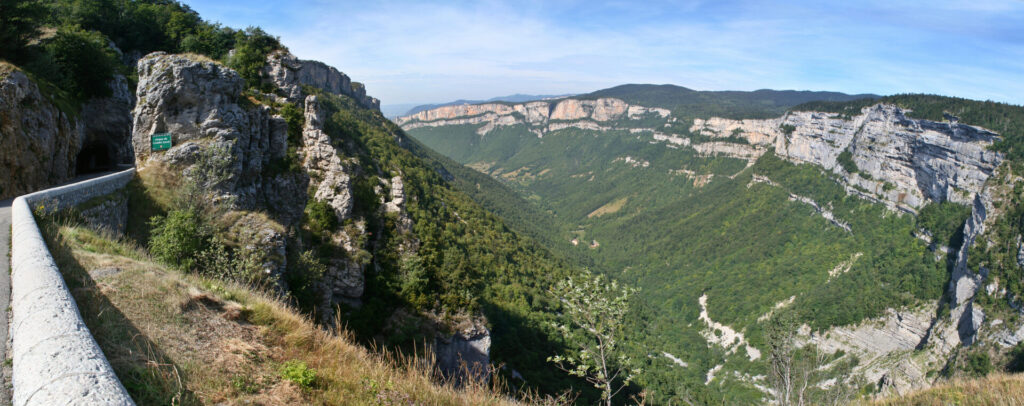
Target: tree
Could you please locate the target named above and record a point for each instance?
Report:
(799, 375)
(19, 23)
(596, 310)
(84, 61)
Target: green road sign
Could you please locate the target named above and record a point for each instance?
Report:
(160, 141)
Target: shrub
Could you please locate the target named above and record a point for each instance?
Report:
(320, 217)
(1016, 363)
(252, 47)
(19, 23)
(179, 238)
(945, 221)
(298, 373)
(845, 159)
(979, 364)
(787, 128)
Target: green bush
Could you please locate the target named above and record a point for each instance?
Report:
(787, 128)
(320, 217)
(979, 364)
(298, 373)
(251, 49)
(179, 238)
(19, 23)
(845, 159)
(945, 221)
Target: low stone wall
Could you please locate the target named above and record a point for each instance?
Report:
(56, 360)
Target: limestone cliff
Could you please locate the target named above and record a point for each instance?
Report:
(200, 103)
(900, 161)
(290, 73)
(540, 116)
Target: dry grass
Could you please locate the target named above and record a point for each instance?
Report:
(6, 68)
(994, 390)
(178, 338)
(200, 58)
(609, 208)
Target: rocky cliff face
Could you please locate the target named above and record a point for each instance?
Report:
(38, 142)
(289, 74)
(199, 103)
(900, 161)
(540, 116)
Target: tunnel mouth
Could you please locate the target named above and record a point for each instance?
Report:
(95, 157)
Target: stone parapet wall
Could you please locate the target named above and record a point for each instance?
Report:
(56, 361)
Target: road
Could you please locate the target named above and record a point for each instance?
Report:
(5, 290)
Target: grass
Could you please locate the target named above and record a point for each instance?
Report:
(993, 390)
(610, 208)
(176, 338)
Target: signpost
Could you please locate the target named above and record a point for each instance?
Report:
(160, 142)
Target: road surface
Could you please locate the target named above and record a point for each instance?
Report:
(5, 292)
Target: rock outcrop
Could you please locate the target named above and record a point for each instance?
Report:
(541, 116)
(38, 142)
(289, 74)
(466, 353)
(199, 103)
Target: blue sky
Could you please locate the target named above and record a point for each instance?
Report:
(416, 52)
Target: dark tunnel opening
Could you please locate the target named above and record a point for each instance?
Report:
(95, 157)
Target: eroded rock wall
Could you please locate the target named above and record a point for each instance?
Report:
(200, 104)
(38, 142)
(290, 73)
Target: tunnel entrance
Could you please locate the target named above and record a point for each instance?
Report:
(95, 157)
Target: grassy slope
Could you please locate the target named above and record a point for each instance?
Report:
(183, 339)
(997, 389)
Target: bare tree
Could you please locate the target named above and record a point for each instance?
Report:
(805, 375)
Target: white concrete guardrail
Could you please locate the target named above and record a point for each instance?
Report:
(56, 359)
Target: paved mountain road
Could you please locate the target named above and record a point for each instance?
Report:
(5, 291)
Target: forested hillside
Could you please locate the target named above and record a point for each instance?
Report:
(694, 214)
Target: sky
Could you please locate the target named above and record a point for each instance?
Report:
(409, 52)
